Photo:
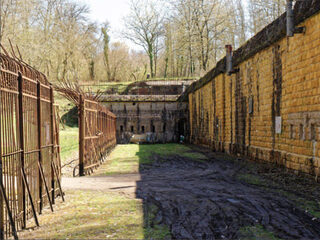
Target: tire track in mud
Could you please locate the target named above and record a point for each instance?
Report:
(205, 200)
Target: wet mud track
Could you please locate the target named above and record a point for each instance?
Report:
(206, 200)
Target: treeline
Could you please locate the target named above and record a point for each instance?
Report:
(179, 37)
(188, 37)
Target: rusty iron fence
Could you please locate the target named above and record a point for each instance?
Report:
(97, 134)
(30, 166)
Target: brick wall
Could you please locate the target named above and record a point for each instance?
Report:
(282, 81)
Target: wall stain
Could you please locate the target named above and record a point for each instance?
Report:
(277, 90)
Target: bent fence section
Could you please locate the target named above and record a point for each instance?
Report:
(29, 145)
(97, 134)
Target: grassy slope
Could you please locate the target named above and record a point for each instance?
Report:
(69, 136)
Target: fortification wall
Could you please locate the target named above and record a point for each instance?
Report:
(162, 121)
(270, 109)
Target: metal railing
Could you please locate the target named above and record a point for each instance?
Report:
(97, 134)
(30, 168)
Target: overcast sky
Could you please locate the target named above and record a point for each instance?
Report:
(113, 11)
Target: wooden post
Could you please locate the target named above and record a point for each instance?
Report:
(21, 135)
(81, 134)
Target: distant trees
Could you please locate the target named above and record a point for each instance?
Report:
(195, 30)
(179, 37)
(56, 37)
(262, 12)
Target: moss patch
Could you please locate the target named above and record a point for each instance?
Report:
(256, 232)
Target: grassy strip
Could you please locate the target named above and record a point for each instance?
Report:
(69, 136)
(69, 143)
(96, 215)
(127, 158)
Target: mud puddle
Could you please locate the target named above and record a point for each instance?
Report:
(218, 198)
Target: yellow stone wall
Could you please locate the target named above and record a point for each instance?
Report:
(283, 80)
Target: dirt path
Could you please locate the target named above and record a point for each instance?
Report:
(217, 198)
(123, 183)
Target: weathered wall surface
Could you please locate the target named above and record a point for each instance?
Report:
(162, 121)
(282, 82)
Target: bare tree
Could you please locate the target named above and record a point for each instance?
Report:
(262, 12)
(145, 28)
(106, 42)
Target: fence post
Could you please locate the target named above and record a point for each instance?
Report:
(21, 126)
(25, 185)
(40, 160)
(1, 197)
(52, 122)
(39, 144)
(81, 134)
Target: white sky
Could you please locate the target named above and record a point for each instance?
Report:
(112, 11)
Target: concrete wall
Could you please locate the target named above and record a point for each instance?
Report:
(168, 118)
(282, 82)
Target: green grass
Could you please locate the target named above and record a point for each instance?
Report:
(93, 215)
(152, 228)
(257, 232)
(119, 87)
(69, 136)
(251, 179)
(146, 151)
(127, 158)
(69, 143)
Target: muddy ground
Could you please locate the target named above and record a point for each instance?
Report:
(215, 199)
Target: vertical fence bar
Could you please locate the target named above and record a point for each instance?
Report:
(40, 160)
(54, 168)
(1, 172)
(24, 178)
(21, 135)
(81, 135)
(23, 156)
(97, 134)
(52, 122)
(39, 143)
